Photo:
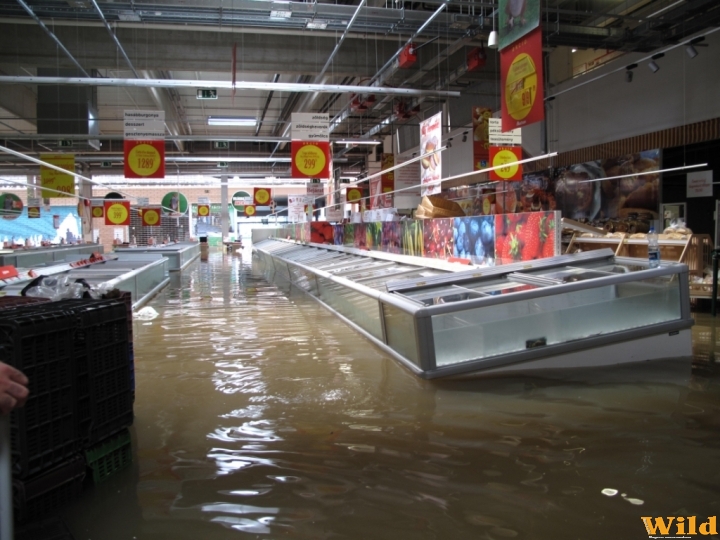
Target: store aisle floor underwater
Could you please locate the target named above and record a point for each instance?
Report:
(260, 415)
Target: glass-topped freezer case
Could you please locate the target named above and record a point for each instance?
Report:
(581, 310)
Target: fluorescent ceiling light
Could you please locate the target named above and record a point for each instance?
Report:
(280, 14)
(574, 50)
(228, 159)
(357, 141)
(242, 121)
(317, 25)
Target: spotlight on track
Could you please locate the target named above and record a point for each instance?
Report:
(653, 65)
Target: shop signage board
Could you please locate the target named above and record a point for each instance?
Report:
(143, 201)
(144, 145)
(262, 196)
(310, 159)
(407, 184)
(355, 194)
(51, 179)
(33, 207)
(480, 134)
(296, 207)
(517, 18)
(315, 189)
(117, 212)
(521, 82)
(241, 199)
(431, 166)
(174, 203)
(310, 127)
(11, 206)
(700, 184)
(498, 138)
(151, 216)
(334, 213)
(505, 158)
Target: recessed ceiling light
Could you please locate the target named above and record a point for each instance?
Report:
(241, 121)
(317, 25)
(356, 141)
(574, 50)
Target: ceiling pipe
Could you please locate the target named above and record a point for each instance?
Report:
(53, 37)
(267, 104)
(114, 38)
(240, 85)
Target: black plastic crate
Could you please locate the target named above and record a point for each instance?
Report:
(44, 431)
(44, 495)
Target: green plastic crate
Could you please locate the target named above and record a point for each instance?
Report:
(109, 456)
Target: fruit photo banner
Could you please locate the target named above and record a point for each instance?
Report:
(521, 80)
(117, 212)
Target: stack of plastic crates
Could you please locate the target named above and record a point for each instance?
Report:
(76, 355)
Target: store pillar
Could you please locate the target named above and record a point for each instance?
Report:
(224, 215)
(84, 206)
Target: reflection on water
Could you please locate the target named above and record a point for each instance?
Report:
(260, 414)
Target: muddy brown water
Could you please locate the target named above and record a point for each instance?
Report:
(259, 414)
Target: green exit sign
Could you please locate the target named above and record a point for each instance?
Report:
(207, 93)
(106, 164)
(221, 145)
(223, 164)
(65, 144)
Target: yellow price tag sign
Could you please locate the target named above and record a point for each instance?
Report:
(249, 210)
(98, 211)
(203, 210)
(310, 160)
(144, 160)
(354, 195)
(262, 196)
(501, 159)
(521, 86)
(151, 217)
(117, 214)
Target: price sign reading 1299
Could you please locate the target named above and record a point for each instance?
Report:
(310, 160)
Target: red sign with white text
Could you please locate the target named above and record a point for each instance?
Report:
(117, 212)
(521, 79)
(144, 159)
(310, 159)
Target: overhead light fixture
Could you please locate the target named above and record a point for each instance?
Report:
(654, 67)
(574, 50)
(239, 121)
(629, 72)
(493, 38)
(357, 141)
(465, 133)
(280, 14)
(449, 142)
(691, 51)
(317, 25)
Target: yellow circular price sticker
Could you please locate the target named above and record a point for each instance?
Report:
(353, 195)
(97, 211)
(310, 160)
(521, 86)
(203, 210)
(33, 212)
(486, 206)
(117, 214)
(144, 160)
(151, 217)
(262, 196)
(501, 159)
(249, 210)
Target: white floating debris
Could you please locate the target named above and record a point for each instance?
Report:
(608, 492)
(145, 314)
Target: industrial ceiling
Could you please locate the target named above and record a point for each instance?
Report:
(178, 47)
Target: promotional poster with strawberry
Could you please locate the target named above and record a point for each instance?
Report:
(525, 237)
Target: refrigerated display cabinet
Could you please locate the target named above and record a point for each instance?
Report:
(571, 311)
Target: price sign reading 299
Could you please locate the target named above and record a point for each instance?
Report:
(310, 159)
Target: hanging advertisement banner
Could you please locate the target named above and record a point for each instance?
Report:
(407, 184)
(315, 189)
(498, 138)
(144, 159)
(700, 184)
(310, 159)
(521, 80)
(481, 117)
(261, 196)
(506, 157)
(517, 19)
(431, 166)
(355, 194)
(144, 145)
(50, 179)
(296, 208)
(33, 207)
(376, 193)
(117, 212)
(388, 179)
(241, 199)
(151, 216)
(174, 203)
(250, 210)
(203, 210)
(11, 206)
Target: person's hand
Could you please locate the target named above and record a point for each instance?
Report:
(13, 388)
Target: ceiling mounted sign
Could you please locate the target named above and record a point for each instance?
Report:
(241, 199)
(431, 166)
(117, 212)
(203, 210)
(151, 216)
(517, 18)
(54, 182)
(521, 79)
(174, 203)
(310, 159)
(144, 145)
(262, 196)
(250, 210)
(506, 157)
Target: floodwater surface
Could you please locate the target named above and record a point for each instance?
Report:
(259, 414)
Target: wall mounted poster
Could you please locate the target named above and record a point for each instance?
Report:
(431, 166)
(521, 79)
(517, 18)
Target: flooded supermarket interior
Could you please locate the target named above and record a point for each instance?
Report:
(259, 414)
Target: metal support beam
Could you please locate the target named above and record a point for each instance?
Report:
(114, 38)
